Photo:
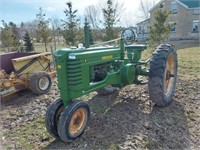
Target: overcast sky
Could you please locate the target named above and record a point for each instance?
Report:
(19, 11)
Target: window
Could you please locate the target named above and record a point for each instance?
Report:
(195, 26)
(174, 7)
(196, 11)
(173, 25)
(140, 28)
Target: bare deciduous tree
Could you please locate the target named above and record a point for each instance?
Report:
(56, 27)
(43, 31)
(92, 14)
(128, 19)
(29, 27)
(145, 6)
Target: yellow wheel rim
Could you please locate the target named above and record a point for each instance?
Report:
(78, 121)
(170, 71)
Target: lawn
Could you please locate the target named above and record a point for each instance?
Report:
(41, 48)
(188, 58)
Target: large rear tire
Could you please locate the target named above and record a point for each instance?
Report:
(73, 121)
(163, 75)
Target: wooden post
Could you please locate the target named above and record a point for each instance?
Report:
(52, 56)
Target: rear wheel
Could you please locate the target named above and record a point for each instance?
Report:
(73, 121)
(52, 116)
(163, 75)
(40, 83)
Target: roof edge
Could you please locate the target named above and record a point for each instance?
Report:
(156, 5)
(182, 4)
(176, 1)
(143, 21)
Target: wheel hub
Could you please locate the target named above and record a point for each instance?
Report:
(169, 75)
(43, 83)
(78, 121)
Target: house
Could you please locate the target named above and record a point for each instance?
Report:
(185, 17)
(143, 30)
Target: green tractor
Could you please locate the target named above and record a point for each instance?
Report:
(84, 70)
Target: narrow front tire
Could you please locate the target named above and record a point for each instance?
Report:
(52, 115)
(73, 121)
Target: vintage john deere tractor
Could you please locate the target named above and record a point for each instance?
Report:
(83, 70)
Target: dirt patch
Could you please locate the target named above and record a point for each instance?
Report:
(125, 119)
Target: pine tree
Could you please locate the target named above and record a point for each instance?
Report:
(6, 35)
(28, 42)
(111, 17)
(15, 34)
(71, 25)
(10, 35)
(87, 28)
(159, 31)
(91, 36)
(43, 32)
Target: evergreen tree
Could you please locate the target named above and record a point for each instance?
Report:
(91, 36)
(90, 32)
(71, 25)
(9, 35)
(15, 34)
(159, 31)
(28, 42)
(111, 17)
(43, 32)
(6, 35)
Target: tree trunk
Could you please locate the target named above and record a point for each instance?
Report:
(45, 43)
(54, 38)
(58, 39)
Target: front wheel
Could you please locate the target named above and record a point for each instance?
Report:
(163, 75)
(52, 116)
(73, 121)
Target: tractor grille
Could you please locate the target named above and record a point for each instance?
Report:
(74, 72)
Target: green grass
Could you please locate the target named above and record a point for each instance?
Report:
(28, 135)
(188, 58)
(41, 48)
